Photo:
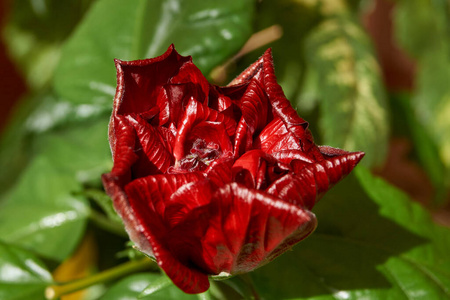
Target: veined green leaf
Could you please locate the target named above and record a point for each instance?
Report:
(35, 32)
(22, 275)
(351, 95)
(41, 213)
(423, 28)
(158, 287)
(372, 242)
(210, 31)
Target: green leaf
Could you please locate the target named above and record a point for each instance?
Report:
(41, 213)
(432, 102)
(61, 147)
(351, 95)
(22, 275)
(422, 25)
(210, 31)
(372, 242)
(80, 151)
(29, 131)
(424, 146)
(158, 287)
(423, 28)
(35, 32)
(296, 19)
(15, 143)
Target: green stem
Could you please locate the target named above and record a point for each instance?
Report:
(56, 291)
(103, 222)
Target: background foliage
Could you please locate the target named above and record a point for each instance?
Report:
(373, 241)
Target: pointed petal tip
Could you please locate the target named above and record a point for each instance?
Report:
(359, 155)
(355, 157)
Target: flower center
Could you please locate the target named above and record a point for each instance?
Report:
(200, 156)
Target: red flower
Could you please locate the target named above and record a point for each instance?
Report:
(213, 180)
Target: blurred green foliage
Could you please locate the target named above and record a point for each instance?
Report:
(372, 242)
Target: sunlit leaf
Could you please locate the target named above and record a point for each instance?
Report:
(351, 96)
(41, 213)
(386, 247)
(137, 29)
(422, 27)
(146, 286)
(22, 275)
(35, 32)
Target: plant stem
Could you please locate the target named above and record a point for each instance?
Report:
(56, 291)
(106, 224)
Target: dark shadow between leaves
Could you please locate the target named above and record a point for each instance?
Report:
(345, 253)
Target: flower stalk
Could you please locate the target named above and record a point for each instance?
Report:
(56, 291)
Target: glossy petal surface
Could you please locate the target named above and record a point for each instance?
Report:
(213, 180)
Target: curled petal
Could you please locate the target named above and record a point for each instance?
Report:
(247, 226)
(122, 148)
(311, 180)
(282, 107)
(144, 79)
(275, 137)
(254, 107)
(191, 75)
(152, 192)
(242, 139)
(174, 98)
(114, 188)
(219, 171)
(286, 156)
(195, 113)
(250, 168)
(147, 202)
(153, 155)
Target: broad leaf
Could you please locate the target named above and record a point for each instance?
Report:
(35, 32)
(137, 29)
(421, 25)
(424, 146)
(350, 91)
(42, 117)
(41, 213)
(22, 275)
(82, 152)
(295, 19)
(155, 286)
(372, 242)
(422, 28)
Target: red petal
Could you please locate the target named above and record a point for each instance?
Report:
(286, 156)
(312, 180)
(250, 168)
(210, 132)
(195, 113)
(191, 75)
(298, 190)
(246, 226)
(275, 137)
(114, 189)
(219, 171)
(153, 155)
(255, 107)
(152, 192)
(281, 106)
(242, 139)
(175, 99)
(146, 197)
(139, 82)
(185, 199)
(123, 148)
